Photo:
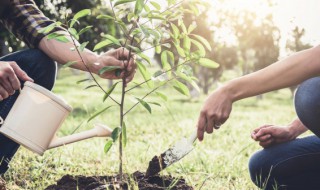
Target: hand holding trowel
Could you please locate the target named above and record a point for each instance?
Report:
(172, 155)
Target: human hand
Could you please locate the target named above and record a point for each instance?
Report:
(214, 113)
(269, 135)
(10, 73)
(119, 58)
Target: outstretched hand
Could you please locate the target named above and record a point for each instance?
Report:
(214, 113)
(119, 58)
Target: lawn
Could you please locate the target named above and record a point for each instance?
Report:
(219, 162)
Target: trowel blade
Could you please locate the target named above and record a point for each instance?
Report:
(170, 156)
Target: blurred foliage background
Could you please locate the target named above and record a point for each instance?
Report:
(255, 38)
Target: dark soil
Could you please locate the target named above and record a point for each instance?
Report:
(156, 165)
(156, 182)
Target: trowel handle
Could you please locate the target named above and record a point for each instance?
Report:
(193, 137)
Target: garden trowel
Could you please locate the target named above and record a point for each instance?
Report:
(172, 155)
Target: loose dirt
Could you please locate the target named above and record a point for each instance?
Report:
(156, 182)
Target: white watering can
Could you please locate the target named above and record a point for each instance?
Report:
(36, 116)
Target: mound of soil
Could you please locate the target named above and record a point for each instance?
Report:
(156, 182)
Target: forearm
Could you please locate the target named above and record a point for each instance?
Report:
(65, 52)
(290, 71)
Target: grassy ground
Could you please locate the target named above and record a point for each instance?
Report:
(219, 162)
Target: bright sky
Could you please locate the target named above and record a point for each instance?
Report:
(287, 14)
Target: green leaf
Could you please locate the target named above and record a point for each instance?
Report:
(156, 17)
(115, 133)
(202, 51)
(139, 7)
(160, 76)
(73, 32)
(63, 39)
(113, 39)
(144, 31)
(155, 103)
(145, 74)
(105, 17)
(158, 49)
(109, 91)
(83, 80)
(49, 28)
(208, 63)
(187, 70)
(108, 146)
(124, 134)
(91, 86)
(69, 63)
(144, 104)
(80, 14)
(195, 85)
(191, 28)
(122, 2)
(130, 16)
(175, 31)
(162, 96)
(83, 45)
(102, 44)
(135, 49)
(98, 113)
(156, 5)
(156, 34)
(164, 60)
(183, 76)
(144, 57)
(186, 43)
(53, 35)
(180, 50)
(203, 41)
(83, 30)
(107, 69)
(183, 27)
(180, 87)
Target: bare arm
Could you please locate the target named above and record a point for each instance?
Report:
(287, 72)
(63, 53)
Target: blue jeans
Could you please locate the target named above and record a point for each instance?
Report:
(43, 71)
(294, 164)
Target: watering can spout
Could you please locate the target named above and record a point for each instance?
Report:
(99, 130)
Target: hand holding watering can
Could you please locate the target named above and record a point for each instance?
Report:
(36, 116)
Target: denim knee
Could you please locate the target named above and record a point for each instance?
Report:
(307, 104)
(257, 169)
(43, 69)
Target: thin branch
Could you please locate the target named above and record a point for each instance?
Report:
(151, 47)
(116, 19)
(174, 67)
(156, 88)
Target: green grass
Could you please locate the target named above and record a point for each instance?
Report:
(219, 162)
